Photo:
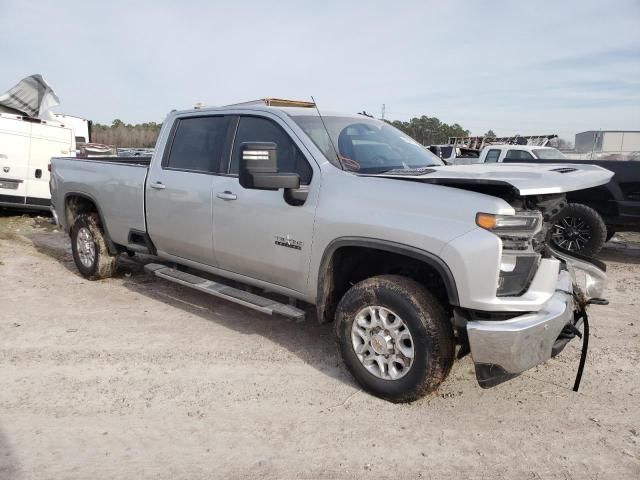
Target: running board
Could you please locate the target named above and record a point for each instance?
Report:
(261, 304)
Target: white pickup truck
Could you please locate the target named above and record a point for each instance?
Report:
(409, 258)
(499, 153)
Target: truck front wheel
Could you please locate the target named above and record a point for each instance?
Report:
(89, 248)
(578, 228)
(394, 337)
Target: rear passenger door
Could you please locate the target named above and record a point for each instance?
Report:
(179, 188)
(264, 234)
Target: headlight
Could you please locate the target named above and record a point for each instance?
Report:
(525, 223)
(519, 262)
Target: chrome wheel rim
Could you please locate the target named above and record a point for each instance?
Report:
(86, 247)
(571, 233)
(382, 342)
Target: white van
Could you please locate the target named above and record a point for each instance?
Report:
(26, 147)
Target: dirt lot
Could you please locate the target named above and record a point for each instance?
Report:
(135, 377)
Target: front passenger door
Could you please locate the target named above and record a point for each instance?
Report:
(260, 233)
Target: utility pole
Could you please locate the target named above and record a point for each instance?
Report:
(383, 110)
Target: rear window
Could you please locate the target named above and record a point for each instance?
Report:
(492, 156)
(518, 155)
(548, 154)
(445, 152)
(468, 153)
(198, 144)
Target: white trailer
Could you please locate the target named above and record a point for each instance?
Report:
(81, 126)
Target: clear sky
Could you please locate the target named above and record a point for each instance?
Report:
(513, 66)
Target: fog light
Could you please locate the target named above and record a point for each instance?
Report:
(516, 272)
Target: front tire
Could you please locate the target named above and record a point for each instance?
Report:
(89, 248)
(578, 228)
(610, 234)
(394, 337)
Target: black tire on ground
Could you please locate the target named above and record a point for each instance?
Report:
(427, 322)
(610, 234)
(103, 264)
(578, 228)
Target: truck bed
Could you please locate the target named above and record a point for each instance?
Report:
(139, 160)
(116, 184)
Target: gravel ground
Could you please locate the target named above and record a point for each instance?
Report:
(135, 377)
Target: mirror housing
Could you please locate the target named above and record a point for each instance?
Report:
(258, 168)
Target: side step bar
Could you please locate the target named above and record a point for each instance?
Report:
(261, 304)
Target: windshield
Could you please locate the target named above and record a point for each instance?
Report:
(366, 145)
(548, 154)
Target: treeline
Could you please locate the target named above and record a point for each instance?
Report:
(426, 130)
(119, 134)
(429, 130)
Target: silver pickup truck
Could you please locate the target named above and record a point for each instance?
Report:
(409, 258)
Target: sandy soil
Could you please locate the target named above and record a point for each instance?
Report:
(135, 377)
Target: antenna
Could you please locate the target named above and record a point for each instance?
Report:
(335, 150)
(384, 108)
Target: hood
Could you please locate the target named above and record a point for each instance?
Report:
(526, 179)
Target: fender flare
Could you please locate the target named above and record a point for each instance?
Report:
(112, 247)
(429, 258)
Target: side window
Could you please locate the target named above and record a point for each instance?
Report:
(519, 155)
(290, 158)
(198, 144)
(446, 152)
(492, 156)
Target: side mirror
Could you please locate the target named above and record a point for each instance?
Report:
(259, 168)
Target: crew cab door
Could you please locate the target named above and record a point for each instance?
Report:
(179, 188)
(264, 234)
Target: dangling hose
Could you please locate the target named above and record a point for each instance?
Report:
(585, 346)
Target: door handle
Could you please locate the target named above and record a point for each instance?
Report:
(226, 195)
(158, 185)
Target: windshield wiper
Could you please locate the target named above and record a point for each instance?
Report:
(404, 171)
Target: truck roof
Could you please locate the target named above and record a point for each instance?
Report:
(292, 111)
(290, 107)
(503, 146)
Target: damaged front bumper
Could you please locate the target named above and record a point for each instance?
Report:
(502, 349)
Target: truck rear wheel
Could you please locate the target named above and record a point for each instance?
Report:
(578, 228)
(394, 337)
(89, 248)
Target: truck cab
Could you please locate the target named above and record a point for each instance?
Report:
(500, 153)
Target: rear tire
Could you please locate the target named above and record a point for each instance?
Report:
(578, 228)
(426, 334)
(89, 248)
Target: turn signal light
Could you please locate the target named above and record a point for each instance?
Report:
(486, 220)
